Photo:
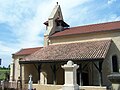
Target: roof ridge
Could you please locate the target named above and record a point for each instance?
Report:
(31, 48)
(26, 51)
(97, 40)
(101, 23)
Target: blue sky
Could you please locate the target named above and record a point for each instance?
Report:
(21, 21)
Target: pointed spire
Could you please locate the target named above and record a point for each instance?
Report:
(55, 20)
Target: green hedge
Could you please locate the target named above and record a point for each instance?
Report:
(4, 74)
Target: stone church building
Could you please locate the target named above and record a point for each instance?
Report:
(95, 48)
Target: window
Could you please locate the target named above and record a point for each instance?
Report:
(115, 63)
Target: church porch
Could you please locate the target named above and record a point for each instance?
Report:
(56, 83)
(88, 55)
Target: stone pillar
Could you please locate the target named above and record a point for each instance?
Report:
(12, 71)
(70, 76)
(22, 70)
(43, 78)
(21, 76)
(46, 40)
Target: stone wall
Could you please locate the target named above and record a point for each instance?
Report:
(107, 64)
(115, 36)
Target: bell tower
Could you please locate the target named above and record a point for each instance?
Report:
(54, 24)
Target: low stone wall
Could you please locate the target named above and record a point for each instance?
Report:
(13, 86)
(45, 87)
(92, 88)
(59, 87)
(6, 85)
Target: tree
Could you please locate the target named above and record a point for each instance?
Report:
(4, 67)
(8, 66)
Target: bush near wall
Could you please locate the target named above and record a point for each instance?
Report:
(4, 74)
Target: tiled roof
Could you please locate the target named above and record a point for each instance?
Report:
(92, 50)
(27, 51)
(89, 29)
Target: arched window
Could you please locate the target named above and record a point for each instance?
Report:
(115, 64)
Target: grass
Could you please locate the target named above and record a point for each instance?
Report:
(4, 74)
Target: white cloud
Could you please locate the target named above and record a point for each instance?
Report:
(118, 18)
(6, 53)
(112, 17)
(28, 30)
(5, 48)
(21, 16)
(111, 1)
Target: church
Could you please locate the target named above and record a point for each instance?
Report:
(95, 48)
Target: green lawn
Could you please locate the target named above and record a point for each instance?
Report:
(4, 74)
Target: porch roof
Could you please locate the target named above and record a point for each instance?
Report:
(26, 51)
(90, 50)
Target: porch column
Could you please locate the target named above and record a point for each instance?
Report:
(21, 76)
(54, 77)
(53, 67)
(80, 74)
(12, 71)
(100, 73)
(39, 71)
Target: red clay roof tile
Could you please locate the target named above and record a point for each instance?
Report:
(27, 51)
(89, 29)
(72, 51)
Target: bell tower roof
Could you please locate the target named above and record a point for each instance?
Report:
(56, 9)
(55, 21)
